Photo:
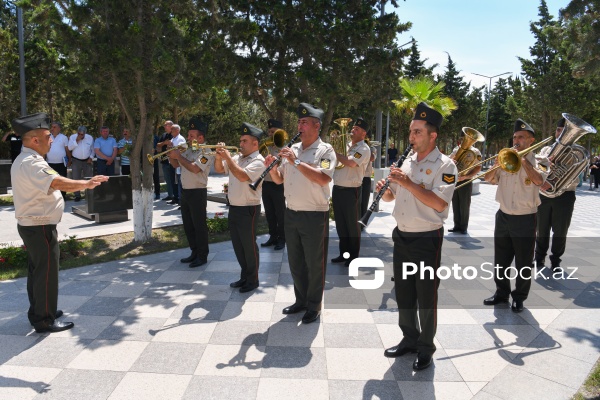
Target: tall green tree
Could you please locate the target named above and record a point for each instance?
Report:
(415, 66)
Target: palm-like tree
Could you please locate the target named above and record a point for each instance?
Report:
(423, 89)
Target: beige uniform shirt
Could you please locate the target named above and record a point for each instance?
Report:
(353, 176)
(516, 193)
(437, 173)
(542, 158)
(240, 193)
(36, 203)
(301, 194)
(274, 151)
(369, 169)
(190, 180)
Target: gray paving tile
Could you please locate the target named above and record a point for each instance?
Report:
(86, 326)
(359, 390)
(515, 384)
(295, 334)
(169, 358)
(167, 290)
(132, 328)
(418, 390)
(221, 387)
(138, 385)
(83, 288)
(270, 388)
(246, 333)
(124, 289)
(24, 383)
(301, 362)
(357, 364)
(12, 346)
(82, 384)
(107, 306)
(18, 325)
(351, 335)
(218, 278)
(50, 353)
(199, 310)
(14, 302)
(108, 355)
(70, 304)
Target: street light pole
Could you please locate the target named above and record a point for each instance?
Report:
(487, 114)
(21, 61)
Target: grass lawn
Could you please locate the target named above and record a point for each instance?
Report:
(590, 390)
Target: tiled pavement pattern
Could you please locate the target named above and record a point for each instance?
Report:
(151, 328)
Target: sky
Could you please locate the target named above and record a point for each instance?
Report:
(481, 36)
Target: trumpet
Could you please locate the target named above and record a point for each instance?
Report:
(160, 156)
(213, 147)
(508, 159)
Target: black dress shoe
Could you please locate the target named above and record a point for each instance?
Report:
(310, 316)
(422, 361)
(398, 351)
(189, 259)
(279, 246)
(57, 326)
(495, 299)
(517, 306)
(293, 309)
(168, 198)
(338, 259)
(269, 242)
(237, 284)
(248, 287)
(173, 202)
(198, 262)
(455, 229)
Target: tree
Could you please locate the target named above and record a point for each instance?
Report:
(415, 67)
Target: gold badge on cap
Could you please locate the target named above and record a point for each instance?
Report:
(423, 114)
(193, 126)
(304, 111)
(245, 129)
(523, 126)
(428, 172)
(325, 163)
(204, 160)
(527, 181)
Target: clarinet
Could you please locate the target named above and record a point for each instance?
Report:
(273, 164)
(364, 221)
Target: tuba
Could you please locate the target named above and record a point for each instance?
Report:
(339, 139)
(465, 157)
(279, 139)
(568, 159)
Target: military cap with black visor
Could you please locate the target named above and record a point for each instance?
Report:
(198, 125)
(308, 110)
(249, 129)
(27, 123)
(521, 125)
(361, 123)
(273, 123)
(425, 113)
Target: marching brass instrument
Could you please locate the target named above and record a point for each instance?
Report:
(509, 160)
(213, 147)
(465, 157)
(568, 159)
(338, 139)
(279, 139)
(161, 156)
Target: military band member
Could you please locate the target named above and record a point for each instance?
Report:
(273, 199)
(461, 199)
(423, 189)
(244, 208)
(194, 175)
(38, 208)
(306, 171)
(347, 190)
(554, 213)
(514, 233)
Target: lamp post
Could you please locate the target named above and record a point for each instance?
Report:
(487, 115)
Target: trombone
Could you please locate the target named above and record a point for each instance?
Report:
(508, 159)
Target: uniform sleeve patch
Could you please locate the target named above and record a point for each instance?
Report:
(204, 160)
(357, 155)
(325, 163)
(449, 178)
(50, 171)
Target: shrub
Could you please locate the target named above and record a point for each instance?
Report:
(217, 224)
(13, 257)
(70, 246)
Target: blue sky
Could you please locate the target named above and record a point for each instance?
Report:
(481, 36)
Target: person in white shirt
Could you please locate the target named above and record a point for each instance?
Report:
(175, 141)
(81, 146)
(59, 156)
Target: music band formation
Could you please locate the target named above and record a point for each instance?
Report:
(536, 195)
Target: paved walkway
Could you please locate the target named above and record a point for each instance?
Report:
(151, 328)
